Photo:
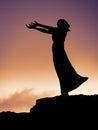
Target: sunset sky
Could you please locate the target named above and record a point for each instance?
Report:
(26, 67)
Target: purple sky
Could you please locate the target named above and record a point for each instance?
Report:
(20, 48)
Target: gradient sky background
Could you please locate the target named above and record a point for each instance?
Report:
(26, 68)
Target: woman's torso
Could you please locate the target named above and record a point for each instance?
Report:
(58, 38)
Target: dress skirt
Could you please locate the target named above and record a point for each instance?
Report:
(68, 77)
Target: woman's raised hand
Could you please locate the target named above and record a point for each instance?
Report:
(32, 25)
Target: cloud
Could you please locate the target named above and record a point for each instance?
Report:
(21, 101)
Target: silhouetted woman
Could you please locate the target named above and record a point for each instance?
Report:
(68, 77)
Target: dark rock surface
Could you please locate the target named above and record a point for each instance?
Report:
(61, 112)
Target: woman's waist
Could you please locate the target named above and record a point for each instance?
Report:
(57, 49)
(58, 45)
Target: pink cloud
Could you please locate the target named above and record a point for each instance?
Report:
(21, 101)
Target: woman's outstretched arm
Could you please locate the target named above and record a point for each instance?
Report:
(40, 27)
(44, 26)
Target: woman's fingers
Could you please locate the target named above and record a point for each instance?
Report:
(32, 24)
(27, 26)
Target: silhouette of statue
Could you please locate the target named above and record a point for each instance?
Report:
(69, 79)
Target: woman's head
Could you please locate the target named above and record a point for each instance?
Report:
(62, 23)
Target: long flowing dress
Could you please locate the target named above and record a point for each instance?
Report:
(68, 77)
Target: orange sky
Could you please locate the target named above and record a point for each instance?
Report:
(26, 68)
